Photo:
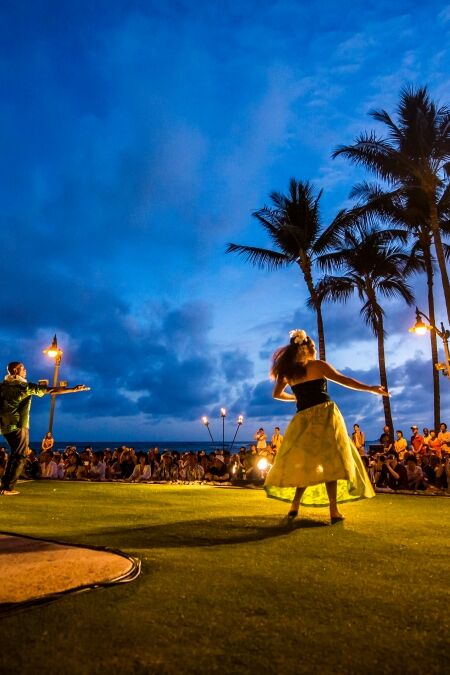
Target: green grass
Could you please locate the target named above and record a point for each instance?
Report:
(226, 588)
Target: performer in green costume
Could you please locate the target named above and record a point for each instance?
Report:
(15, 404)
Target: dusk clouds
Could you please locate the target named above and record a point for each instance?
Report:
(138, 138)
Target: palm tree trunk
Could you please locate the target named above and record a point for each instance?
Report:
(383, 374)
(320, 331)
(434, 222)
(305, 266)
(433, 338)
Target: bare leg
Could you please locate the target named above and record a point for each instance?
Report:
(332, 496)
(296, 501)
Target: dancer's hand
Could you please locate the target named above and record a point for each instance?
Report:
(380, 390)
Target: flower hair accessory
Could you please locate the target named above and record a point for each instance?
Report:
(299, 336)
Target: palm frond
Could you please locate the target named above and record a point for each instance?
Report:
(261, 257)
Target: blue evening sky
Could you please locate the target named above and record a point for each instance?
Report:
(138, 137)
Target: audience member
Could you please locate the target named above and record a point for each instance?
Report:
(400, 445)
(417, 445)
(359, 439)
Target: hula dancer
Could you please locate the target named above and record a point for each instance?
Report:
(317, 463)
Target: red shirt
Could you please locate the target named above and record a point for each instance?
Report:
(417, 443)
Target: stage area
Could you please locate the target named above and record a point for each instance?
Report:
(34, 569)
(225, 587)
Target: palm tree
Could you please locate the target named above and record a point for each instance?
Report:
(414, 159)
(293, 225)
(371, 263)
(410, 212)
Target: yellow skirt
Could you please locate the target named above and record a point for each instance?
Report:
(316, 450)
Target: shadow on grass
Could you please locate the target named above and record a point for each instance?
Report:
(195, 533)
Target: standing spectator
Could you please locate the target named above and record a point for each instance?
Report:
(434, 444)
(276, 440)
(426, 437)
(261, 439)
(417, 444)
(387, 439)
(444, 437)
(359, 439)
(47, 442)
(400, 445)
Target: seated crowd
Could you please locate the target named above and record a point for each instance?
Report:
(124, 464)
(422, 464)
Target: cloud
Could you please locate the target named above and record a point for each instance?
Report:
(147, 135)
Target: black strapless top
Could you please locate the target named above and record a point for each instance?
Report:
(310, 393)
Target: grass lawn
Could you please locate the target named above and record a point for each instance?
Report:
(226, 588)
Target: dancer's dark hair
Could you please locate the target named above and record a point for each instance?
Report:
(289, 362)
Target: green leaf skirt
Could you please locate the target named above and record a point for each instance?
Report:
(316, 449)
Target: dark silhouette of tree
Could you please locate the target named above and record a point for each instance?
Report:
(413, 161)
(371, 263)
(293, 225)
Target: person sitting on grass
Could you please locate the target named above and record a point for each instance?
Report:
(142, 471)
(393, 474)
(97, 469)
(48, 468)
(416, 479)
(32, 466)
(127, 463)
(167, 470)
(428, 466)
(57, 458)
(442, 482)
(85, 465)
(192, 470)
(73, 463)
(153, 460)
(218, 472)
(236, 468)
(115, 469)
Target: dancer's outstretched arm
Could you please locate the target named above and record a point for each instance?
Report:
(328, 371)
